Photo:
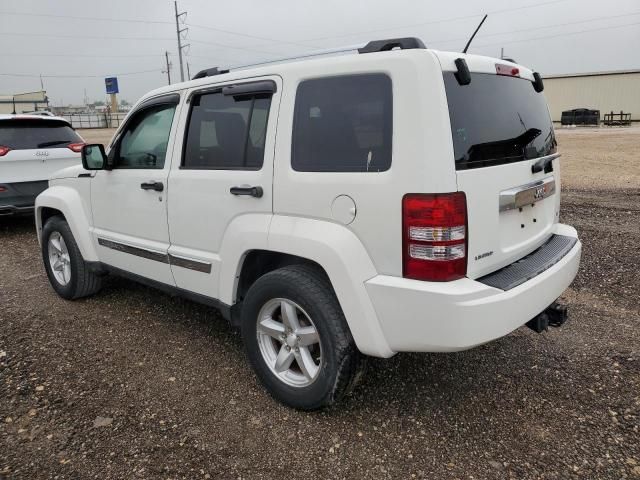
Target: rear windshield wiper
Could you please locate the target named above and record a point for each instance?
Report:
(52, 143)
(509, 148)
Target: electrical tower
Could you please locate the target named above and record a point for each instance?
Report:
(168, 70)
(179, 32)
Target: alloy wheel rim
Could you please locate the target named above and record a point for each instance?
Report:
(59, 259)
(289, 342)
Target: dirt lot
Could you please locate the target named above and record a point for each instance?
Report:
(135, 384)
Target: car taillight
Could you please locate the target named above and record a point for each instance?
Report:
(4, 150)
(434, 236)
(76, 147)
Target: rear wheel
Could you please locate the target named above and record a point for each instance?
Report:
(68, 273)
(297, 339)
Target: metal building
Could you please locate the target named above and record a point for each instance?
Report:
(24, 102)
(604, 91)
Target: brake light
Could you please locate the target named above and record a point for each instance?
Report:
(507, 70)
(4, 150)
(76, 147)
(434, 236)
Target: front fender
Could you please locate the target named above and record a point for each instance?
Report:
(77, 214)
(339, 251)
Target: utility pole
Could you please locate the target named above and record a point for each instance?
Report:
(188, 72)
(501, 52)
(179, 33)
(166, 56)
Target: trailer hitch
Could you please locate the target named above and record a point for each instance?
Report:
(555, 315)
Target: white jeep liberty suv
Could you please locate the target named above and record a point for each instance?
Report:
(399, 199)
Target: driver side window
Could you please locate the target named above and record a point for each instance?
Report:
(143, 144)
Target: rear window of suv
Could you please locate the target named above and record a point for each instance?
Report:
(496, 120)
(33, 134)
(343, 124)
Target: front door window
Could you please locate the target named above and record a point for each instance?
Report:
(144, 142)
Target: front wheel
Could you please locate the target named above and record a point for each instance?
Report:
(68, 273)
(297, 339)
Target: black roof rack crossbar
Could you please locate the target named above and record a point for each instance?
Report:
(209, 72)
(391, 43)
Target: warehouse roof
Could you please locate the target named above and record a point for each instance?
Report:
(592, 74)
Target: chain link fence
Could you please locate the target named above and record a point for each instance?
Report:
(95, 120)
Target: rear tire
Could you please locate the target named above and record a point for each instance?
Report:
(68, 273)
(297, 339)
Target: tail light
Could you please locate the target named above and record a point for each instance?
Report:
(434, 236)
(4, 150)
(76, 147)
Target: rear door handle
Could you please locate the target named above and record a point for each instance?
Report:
(249, 191)
(157, 186)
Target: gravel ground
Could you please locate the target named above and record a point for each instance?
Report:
(136, 384)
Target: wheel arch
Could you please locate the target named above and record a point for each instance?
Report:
(65, 201)
(335, 250)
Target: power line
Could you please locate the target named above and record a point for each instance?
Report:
(77, 76)
(234, 47)
(149, 55)
(159, 22)
(75, 37)
(103, 37)
(73, 17)
(537, 28)
(246, 35)
(434, 22)
(558, 35)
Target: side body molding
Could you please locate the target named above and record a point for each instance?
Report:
(71, 204)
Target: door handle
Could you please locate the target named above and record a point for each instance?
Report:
(157, 186)
(249, 191)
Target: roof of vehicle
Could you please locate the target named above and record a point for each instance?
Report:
(40, 118)
(477, 63)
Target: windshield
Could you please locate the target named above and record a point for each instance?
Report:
(32, 134)
(496, 120)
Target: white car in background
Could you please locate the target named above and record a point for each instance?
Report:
(32, 148)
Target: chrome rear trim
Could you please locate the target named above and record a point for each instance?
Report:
(527, 194)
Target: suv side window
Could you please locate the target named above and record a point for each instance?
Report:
(226, 132)
(343, 124)
(143, 144)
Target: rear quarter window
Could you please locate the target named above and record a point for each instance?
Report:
(33, 134)
(343, 124)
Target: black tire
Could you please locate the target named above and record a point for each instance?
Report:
(83, 281)
(342, 365)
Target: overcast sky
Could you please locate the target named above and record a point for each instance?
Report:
(126, 37)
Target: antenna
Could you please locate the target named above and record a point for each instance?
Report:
(466, 47)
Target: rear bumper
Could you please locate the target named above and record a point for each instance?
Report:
(438, 317)
(20, 197)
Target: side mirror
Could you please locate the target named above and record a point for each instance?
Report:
(93, 157)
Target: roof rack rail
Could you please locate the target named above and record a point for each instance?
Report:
(209, 72)
(371, 47)
(406, 43)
